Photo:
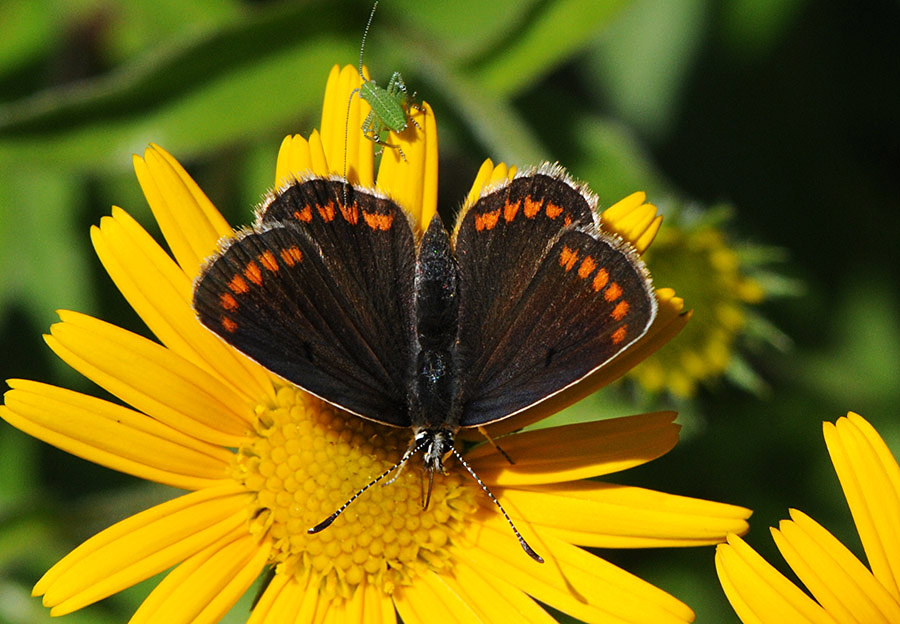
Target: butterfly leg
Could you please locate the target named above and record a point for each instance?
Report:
(484, 432)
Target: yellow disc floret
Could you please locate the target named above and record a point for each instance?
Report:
(307, 458)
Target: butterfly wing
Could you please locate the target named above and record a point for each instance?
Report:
(545, 297)
(320, 292)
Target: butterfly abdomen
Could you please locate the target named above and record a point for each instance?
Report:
(434, 380)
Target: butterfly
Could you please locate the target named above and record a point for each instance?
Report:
(334, 290)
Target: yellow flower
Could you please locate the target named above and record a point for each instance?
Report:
(844, 590)
(263, 460)
(694, 254)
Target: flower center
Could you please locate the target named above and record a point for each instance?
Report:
(307, 458)
(703, 269)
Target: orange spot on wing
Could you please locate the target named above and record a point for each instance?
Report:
(229, 325)
(613, 292)
(291, 255)
(326, 211)
(600, 280)
(568, 258)
(350, 213)
(238, 285)
(619, 335)
(488, 220)
(620, 311)
(587, 267)
(531, 207)
(268, 260)
(228, 301)
(304, 215)
(510, 210)
(553, 210)
(378, 221)
(253, 273)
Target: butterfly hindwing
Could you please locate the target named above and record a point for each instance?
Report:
(545, 297)
(321, 293)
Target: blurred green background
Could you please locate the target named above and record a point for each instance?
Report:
(786, 110)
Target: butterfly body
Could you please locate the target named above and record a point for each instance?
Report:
(434, 398)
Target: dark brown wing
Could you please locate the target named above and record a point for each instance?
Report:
(320, 292)
(545, 298)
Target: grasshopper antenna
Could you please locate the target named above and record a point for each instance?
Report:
(362, 49)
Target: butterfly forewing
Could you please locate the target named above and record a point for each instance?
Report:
(580, 297)
(501, 239)
(321, 293)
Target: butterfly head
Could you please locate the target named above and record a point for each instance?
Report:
(437, 445)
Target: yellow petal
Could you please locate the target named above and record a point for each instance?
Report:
(203, 588)
(335, 614)
(161, 294)
(369, 605)
(294, 160)
(577, 451)
(378, 607)
(343, 113)
(571, 579)
(113, 436)
(324, 613)
(487, 177)
(870, 478)
(741, 608)
(190, 223)
(429, 595)
(493, 599)
(299, 159)
(670, 319)
(615, 516)
(141, 546)
(430, 174)
(633, 220)
(758, 592)
(278, 589)
(834, 576)
(412, 181)
(151, 378)
(287, 599)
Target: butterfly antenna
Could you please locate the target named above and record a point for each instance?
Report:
(521, 539)
(327, 521)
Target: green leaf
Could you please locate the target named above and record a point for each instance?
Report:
(26, 32)
(491, 118)
(463, 31)
(555, 33)
(204, 91)
(614, 161)
(44, 265)
(644, 60)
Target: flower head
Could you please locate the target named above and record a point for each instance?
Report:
(843, 588)
(725, 283)
(264, 461)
